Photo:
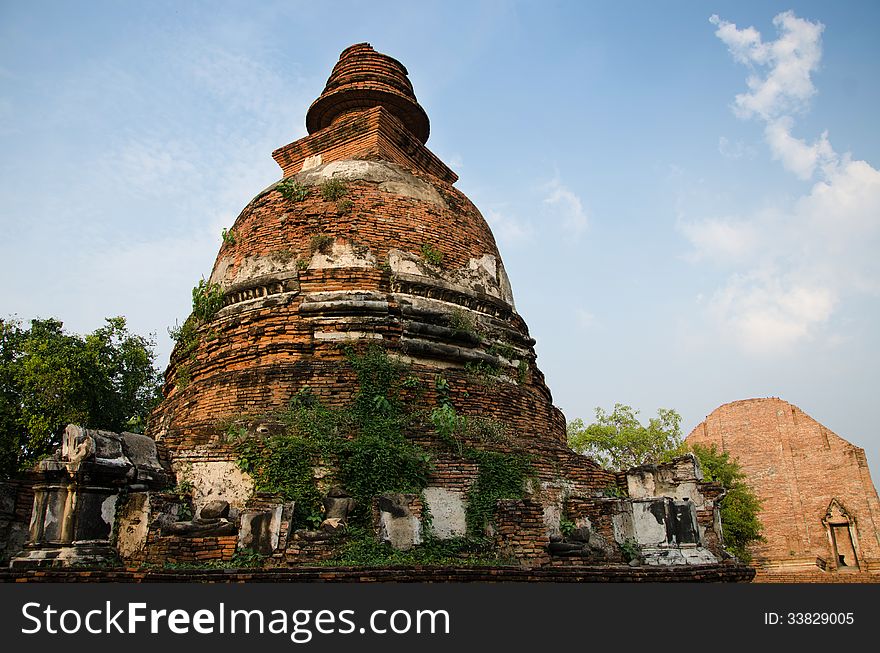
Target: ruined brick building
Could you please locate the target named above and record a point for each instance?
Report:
(364, 245)
(820, 510)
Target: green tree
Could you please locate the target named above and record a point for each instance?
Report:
(618, 441)
(739, 507)
(49, 378)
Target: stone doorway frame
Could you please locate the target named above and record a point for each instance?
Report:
(836, 516)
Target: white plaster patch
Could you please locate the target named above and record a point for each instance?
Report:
(346, 335)
(647, 530)
(343, 255)
(447, 512)
(311, 162)
(251, 267)
(108, 509)
(134, 521)
(211, 480)
(401, 533)
(390, 177)
(482, 275)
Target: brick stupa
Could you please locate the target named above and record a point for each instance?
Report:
(403, 259)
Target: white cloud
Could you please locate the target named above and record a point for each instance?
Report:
(791, 59)
(720, 240)
(767, 314)
(568, 206)
(796, 155)
(792, 267)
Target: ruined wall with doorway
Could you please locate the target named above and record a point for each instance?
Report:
(820, 509)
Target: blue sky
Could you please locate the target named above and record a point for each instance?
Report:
(689, 210)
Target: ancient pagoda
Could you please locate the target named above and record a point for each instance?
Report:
(356, 355)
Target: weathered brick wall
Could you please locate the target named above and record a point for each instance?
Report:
(520, 532)
(599, 512)
(368, 134)
(304, 551)
(796, 467)
(253, 361)
(16, 505)
(181, 550)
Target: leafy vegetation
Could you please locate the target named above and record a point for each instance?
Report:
(207, 299)
(631, 549)
(291, 190)
(49, 378)
(333, 189)
(228, 236)
(321, 243)
(522, 371)
(366, 446)
(503, 349)
(740, 506)
(619, 441)
(500, 475)
(486, 373)
(431, 254)
(362, 549)
(364, 441)
(344, 206)
(461, 321)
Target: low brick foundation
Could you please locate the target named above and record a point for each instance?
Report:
(723, 573)
(814, 577)
(184, 550)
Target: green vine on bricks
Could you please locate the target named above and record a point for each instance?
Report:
(522, 371)
(207, 299)
(613, 491)
(333, 189)
(631, 549)
(566, 526)
(291, 190)
(362, 549)
(364, 442)
(321, 243)
(183, 376)
(228, 236)
(500, 476)
(283, 465)
(486, 373)
(503, 349)
(344, 206)
(183, 491)
(185, 336)
(431, 254)
(461, 321)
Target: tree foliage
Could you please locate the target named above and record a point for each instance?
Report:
(49, 378)
(619, 440)
(740, 506)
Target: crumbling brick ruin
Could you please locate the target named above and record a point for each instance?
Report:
(365, 281)
(820, 511)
